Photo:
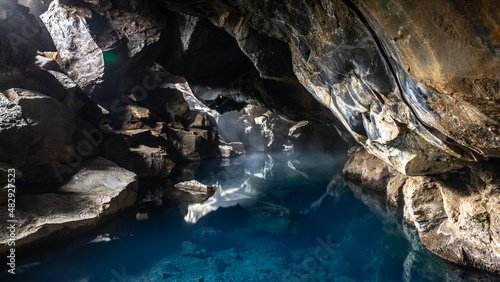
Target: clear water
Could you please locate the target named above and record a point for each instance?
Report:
(275, 217)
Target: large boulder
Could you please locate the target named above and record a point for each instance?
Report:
(38, 129)
(98, 47)
(98, 190)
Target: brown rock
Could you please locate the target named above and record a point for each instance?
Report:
(370, 171)
(195, 143)
(149, 162)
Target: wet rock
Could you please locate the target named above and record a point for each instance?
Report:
(194, 187)
(96, 191)
(369, 171)
(269, 217)
(216, 264)
(454, 213)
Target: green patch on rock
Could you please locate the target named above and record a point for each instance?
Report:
(383, 6)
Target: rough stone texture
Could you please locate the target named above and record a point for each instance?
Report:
(344, 55)
(78, 54)
(455, 213)
(97, 190)
(105, 46)
(194, 143)
(32, 130)
(19, 35)
(59, 86)
(149, 162)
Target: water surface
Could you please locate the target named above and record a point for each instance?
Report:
(274, 217)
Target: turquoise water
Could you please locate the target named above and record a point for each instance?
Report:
(274, 217)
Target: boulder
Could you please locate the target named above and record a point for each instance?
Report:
(195, 143)
(59, 86)
(97, 43)
(78, 54)
(97, 190)
(36, 135)
(149, 161)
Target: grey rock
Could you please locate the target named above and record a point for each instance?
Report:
(97, 190)
(78, 54)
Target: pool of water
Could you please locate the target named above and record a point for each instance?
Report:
(273, 217)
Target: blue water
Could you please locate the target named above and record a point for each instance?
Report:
(274, 217)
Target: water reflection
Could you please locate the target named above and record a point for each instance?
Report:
(274, 217)
(247, 184)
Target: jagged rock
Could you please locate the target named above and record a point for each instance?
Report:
(195, 143)
(262, 130)
(19, 36)
(419, 120)
(78, 54)
(454, 213)
(89, 40)
(4, 193)
(194, 187)
(231, 149)
(59, 86)
(97, 190)
(367, 169)
(149, 162)
(47, 63)
(135, 117)
(37, 136)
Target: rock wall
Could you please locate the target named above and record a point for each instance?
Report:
(455, 214)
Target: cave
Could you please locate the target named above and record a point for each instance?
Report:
(232, 140)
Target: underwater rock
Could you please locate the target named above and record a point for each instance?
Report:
(216, 264)
(189, 248)
(269, 217)
(97, 190)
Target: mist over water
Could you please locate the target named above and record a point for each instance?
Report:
(273, 217)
